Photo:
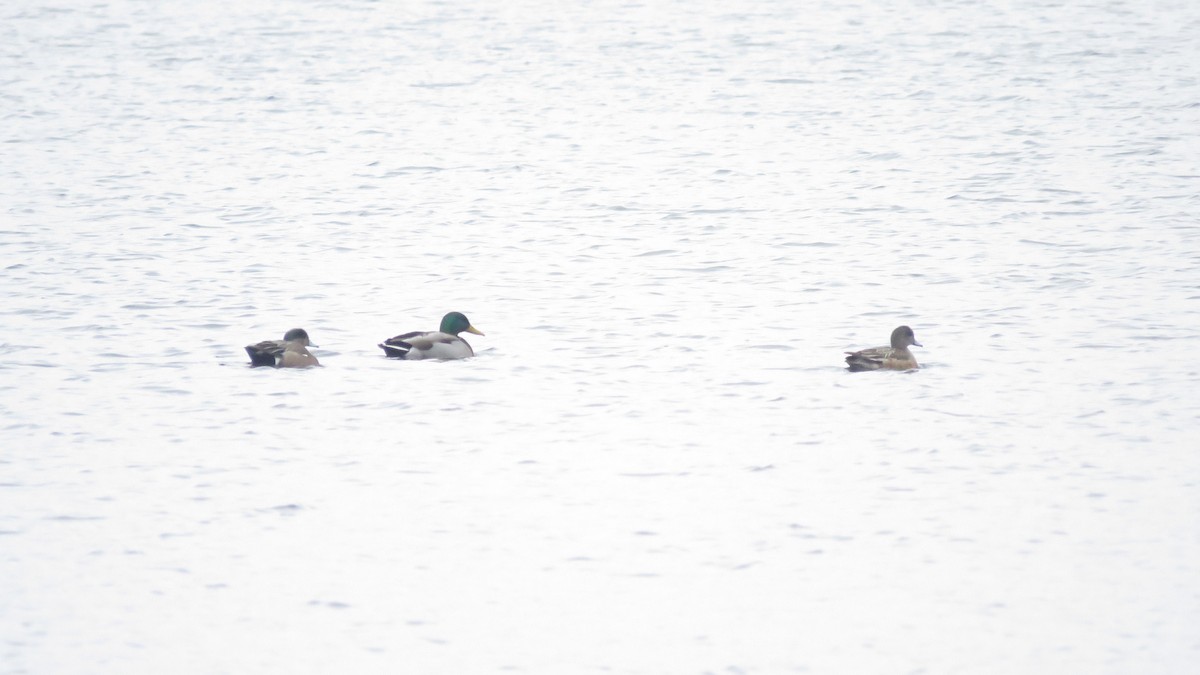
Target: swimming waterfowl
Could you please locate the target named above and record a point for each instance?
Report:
(290, 352)
(896, 357)
(443, 343)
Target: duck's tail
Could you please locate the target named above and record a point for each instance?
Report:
(260, 358)
(858, 363)
(394, 352)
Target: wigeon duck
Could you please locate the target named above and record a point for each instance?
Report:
(896, 357)
(290, 352)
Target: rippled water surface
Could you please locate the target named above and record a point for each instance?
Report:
(670, 219)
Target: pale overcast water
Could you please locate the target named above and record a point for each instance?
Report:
(670, 219)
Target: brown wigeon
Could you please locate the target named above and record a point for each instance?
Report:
(896, 357)
(290, 352)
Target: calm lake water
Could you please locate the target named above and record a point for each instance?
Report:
(671, 219)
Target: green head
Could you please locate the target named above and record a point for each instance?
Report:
(457, 322)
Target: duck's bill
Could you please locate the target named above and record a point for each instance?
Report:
(474, 330)
(917, 344)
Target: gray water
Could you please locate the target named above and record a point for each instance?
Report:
(671, 220)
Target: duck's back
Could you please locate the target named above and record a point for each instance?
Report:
(426, 345)
(265, 353)
(881, 358)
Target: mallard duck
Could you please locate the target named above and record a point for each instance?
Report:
(442, 343)
(290, 352)
(896, 357)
